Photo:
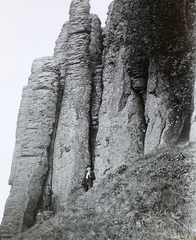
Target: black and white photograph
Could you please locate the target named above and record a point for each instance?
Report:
(98, 120)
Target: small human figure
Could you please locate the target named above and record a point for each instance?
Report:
(47, 197)
(89, 176)
(39, 217)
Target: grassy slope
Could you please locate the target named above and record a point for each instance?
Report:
(152, 198)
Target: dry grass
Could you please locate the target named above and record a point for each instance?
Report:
(150, 198)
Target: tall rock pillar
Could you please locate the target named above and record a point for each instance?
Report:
(72, 152)
(30, 166)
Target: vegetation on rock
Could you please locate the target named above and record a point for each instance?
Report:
(144, 200)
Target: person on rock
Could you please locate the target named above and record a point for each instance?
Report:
(39, 217)
(89, 176)
(47, 197)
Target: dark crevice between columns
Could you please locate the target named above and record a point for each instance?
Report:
(96, 67)
(96, 98)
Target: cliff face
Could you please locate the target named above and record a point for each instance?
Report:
(104, 98)
(147, 77)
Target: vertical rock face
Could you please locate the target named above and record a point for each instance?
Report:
(147, 79)
(121, 123)
(102, 99)
(169, 87)
(71, 151)
(97, 87)
(30, 165)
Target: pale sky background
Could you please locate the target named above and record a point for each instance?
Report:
(29, 29)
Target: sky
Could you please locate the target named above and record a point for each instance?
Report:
(29, 29)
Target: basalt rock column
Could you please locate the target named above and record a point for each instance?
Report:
(121, 119)
(31, 164)
(71, 153)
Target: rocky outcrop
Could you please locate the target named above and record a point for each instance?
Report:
(30, 168)
(72, 146)
(58, 121)
(121, 122)
(148, 79)
(103, 99)
(171, 77)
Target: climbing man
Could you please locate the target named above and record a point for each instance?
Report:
(89, 176)
(47, 197)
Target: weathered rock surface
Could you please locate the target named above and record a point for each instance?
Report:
(71, 150)
(171, 77)
(95, 48)
(121, 123)
(104, 98)
(147, 79)
(31, 161)
(72, 146)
